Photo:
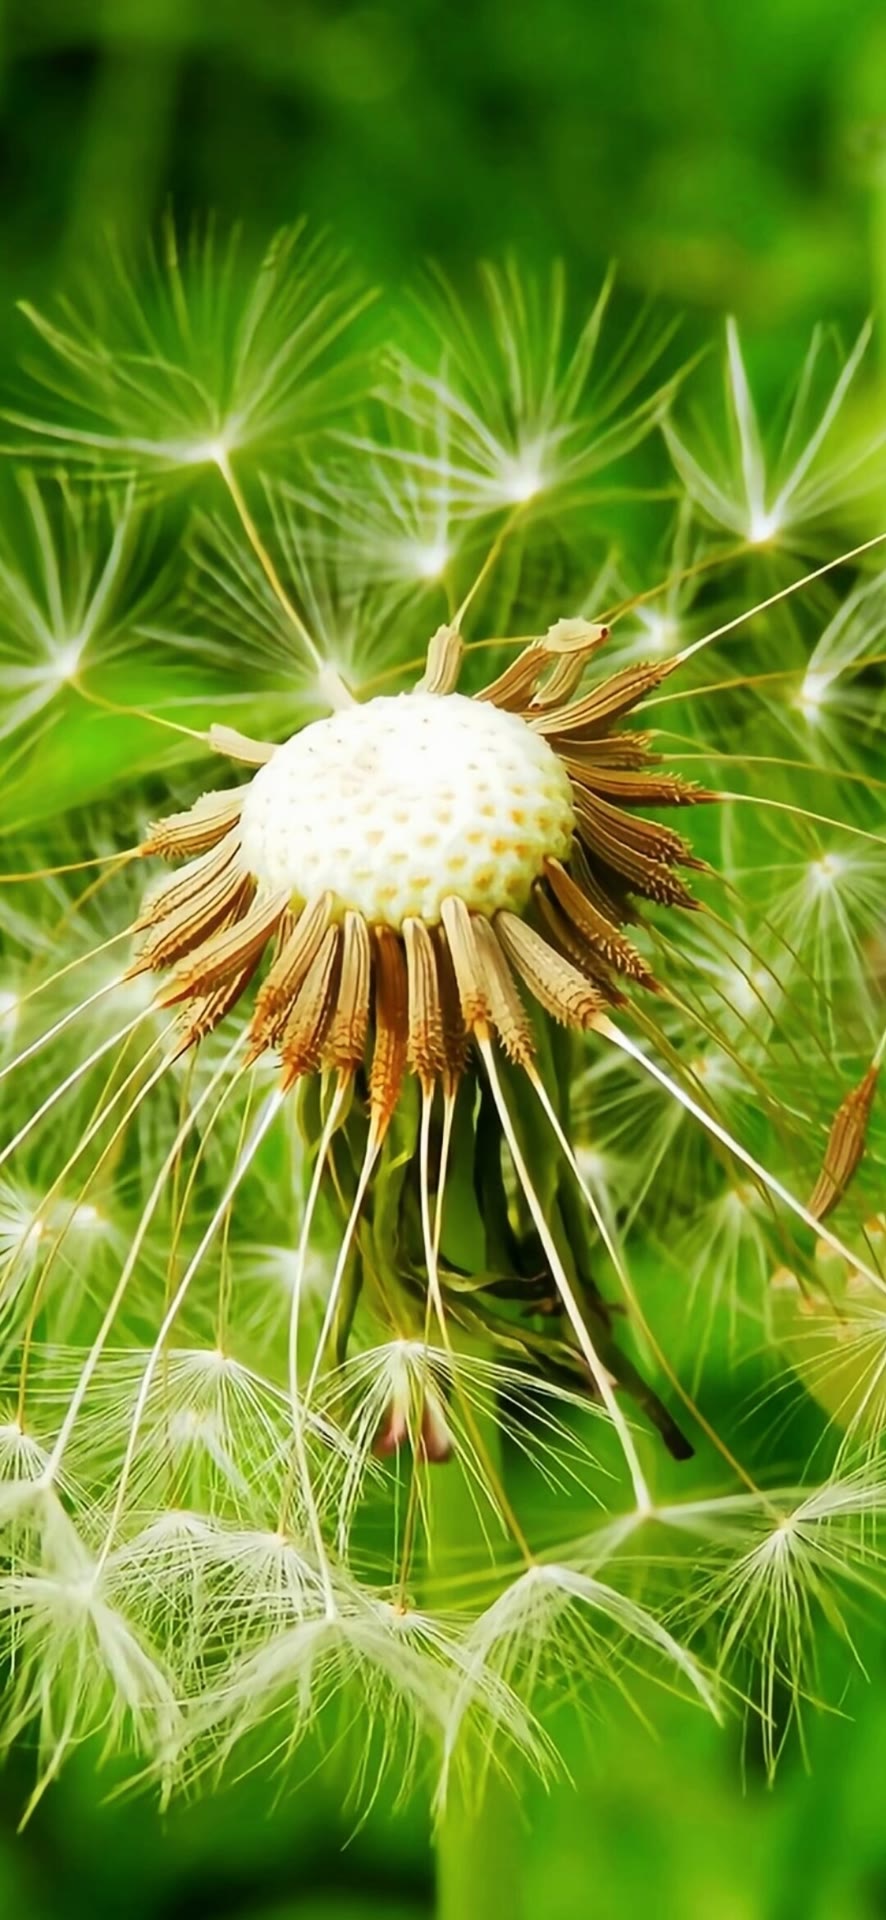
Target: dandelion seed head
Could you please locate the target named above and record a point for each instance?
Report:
(22, 1456)
(711, 1069)
(87, 1218)
(660, 631)
(427, 560)
(209, 453)
(65, 662)
(22, 1225)
(522, 477)
(452, 796)
(281, 1270)
(763, 525)
(827, 871)
(749, 990)
(813, 692)
(594, 1163)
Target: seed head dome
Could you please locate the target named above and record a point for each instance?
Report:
(393, 805)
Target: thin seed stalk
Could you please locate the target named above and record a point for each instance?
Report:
(478, 1838)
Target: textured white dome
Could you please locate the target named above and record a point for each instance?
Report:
(392, 805)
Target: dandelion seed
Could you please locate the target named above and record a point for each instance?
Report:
(198, 360)
(429, 561)
(813, 692)
(760, 498)
(845, 1147)
(531, 1625)
(71, 585)
(513, 413)
(783, 1569)
(79, 1666)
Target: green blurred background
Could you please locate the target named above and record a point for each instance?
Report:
(731, 157)
(728, 156)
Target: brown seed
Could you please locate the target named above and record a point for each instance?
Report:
(427, 1051)
(642, 872)
(631, 789)
(444, 658)
(205, 1014)
(515, 686)
(459, 929)
(238, 746)
(557, 985)
(391, 1029)
(277, 996)
(193, 832)
(302, 1038)
(226, 952)
(509, 1016)
(348, 1028)
(199, 874)
(615, 828)
(595, 927)
(196, 918)
(606, 702)
(628, 750)
(555, 925)
(846, 1145)
(455, 1039)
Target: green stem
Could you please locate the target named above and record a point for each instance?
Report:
(479, 1835)
(478, 1855)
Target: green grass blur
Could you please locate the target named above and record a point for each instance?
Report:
(730, 158)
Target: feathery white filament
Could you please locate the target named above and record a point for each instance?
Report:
(571, 1307)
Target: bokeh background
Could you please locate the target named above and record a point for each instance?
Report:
(730, 158)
